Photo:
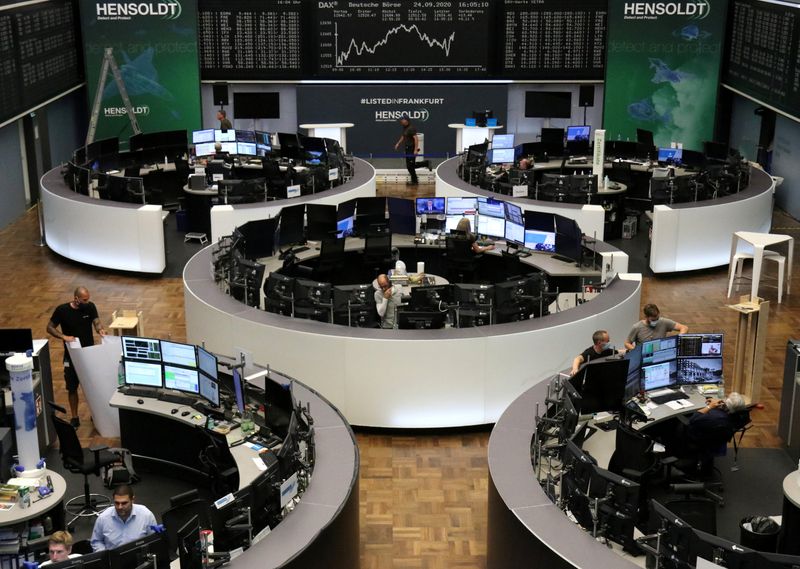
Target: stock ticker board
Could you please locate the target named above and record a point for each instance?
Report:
(402, 39)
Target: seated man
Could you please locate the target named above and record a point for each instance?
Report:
(123, 523)
(652, 327)
(387, 299)
(717, 421)
(59, 548)
(599, 349)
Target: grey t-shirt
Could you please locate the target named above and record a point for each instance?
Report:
(642, 331)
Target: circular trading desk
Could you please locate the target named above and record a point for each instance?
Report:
(130, 237)
(406, 378)
(686, 236)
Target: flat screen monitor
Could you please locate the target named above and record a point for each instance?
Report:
(246, 149)
(181, 379)
(402, 220)
(502, 141)
(692, 371)
(206, 135)
(263, 142)
(246, 136)
(514, 213)
(491, 208)
(257, 105)
(96, 560)
(227, 136)
(17, 340)
(144, 374)
(462, 206)
(514, 232)
(540, 221)
(238, 390)
(209, 389)
(207, 362)
(540, 240)
(415, 320)
(580, 132)
(501, 156)
(602, 385)
(145, 349)
(320, 221)
(345, 227)
(190, 549)
(204, 149)
(659, 350)
(473, 293)
(430, 206)
(290, 145)
(670, 155)
(568, 238)
(657, 376)
(290, 229)
(645, 137)
(433, 297)
(491, 226)
(350, 296)
(548, 104)
(716, 150)
(346, 209)
(624, 149)
(451, 222)
(149, 552)
(370, 214)
(178, 354)
(229, 147)
(693, 159)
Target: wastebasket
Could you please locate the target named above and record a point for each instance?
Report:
(182, 220)
(759, 533)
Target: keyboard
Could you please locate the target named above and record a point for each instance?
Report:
(139, 392)
(176, 398)
(299, 249)
(667, 397)
(562, 258)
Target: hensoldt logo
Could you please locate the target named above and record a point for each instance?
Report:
(697, 10)
(164, 9)
(416, 115)
(143, 110)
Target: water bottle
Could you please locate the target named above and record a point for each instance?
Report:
(120, 374)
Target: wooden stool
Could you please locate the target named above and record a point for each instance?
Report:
(129, 321)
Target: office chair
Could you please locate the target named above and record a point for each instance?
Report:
(461, 259)
(82, 547)
(277, 181)
(377, 251)
(331, 257)
(81, 461)
(181, 512)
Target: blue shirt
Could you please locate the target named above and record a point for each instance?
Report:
(110, 531)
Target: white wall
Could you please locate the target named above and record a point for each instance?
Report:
(786, 163)
(745, 127)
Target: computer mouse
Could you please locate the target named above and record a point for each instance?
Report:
(174, 411)
(185, 413)
(140, 401)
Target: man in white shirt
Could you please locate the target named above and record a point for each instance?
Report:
(123, 523)
(387, 299)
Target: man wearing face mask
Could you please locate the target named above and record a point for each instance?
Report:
(76, 319)
(653, 327)
(599, 349)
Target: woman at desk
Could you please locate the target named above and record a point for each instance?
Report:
(465, 228)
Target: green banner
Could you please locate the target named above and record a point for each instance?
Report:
(155, 47)
(662, 72)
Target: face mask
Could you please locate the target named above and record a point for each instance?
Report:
(653, 323)
(605, 345)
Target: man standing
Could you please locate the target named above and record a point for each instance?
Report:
(410, 142)
(599, 349)
(387, 299)
(653, 327)
(76, 319)
(123, 523)
(224, 122)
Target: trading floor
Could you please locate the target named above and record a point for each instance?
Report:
(423, 496)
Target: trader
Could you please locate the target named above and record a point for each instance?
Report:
(410, 141)
(387, 299)
(59, 548)
(465, 227)
(123, 523)
(599, 349)
(220, 154)
(652, 327)
(224, 122)
(76, 319)
(711, 427)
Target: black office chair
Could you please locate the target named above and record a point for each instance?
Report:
(377, 251)
(461, 261)
(181, 511)
(81, 461)
(331, 257)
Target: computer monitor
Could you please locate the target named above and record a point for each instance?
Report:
(433, 297)
(418, 320)
(207, 363)
(238, 390)
(290, 145)
(149, 552)
(246, 149)
(693, 159)
(246, 136)
(350, 296)
(514, 232)
(320, 221)
(224, 136)
(716, 150)
(15, 340)
(430, 206)
(370, 214)
(178, 354)
(602, 383)
(96, 560)
(206, 135)
(624, 149)
(586, 183)
(619, 510)
(140, 373)
(703, 545)
(402, 219)
(568, 238)
(659, 350)
(481, 117)
(540, 240)
(181, 379)
(491, 226)
(263, 143)
(465, 294)
(278, 406)
(502, 141)
(308, 292)
(540, 221)
(580, 132)
(699, 370)
(501, 156)
(661, 375)
(145, 349)
(634, 358)
(209, 389)
(553, 141)
(670, 155)
(204, 149)
(578, 462)
(229, 522)
(555, 180)
(190, 548)
(291, 225)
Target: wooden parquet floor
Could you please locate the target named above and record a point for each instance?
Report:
(423, 497)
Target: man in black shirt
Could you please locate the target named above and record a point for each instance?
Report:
(224, 122)
(598, 349)
(76, 319)
(410, 142)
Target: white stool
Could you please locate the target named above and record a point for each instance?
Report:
(737, 264)
(757, 243)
